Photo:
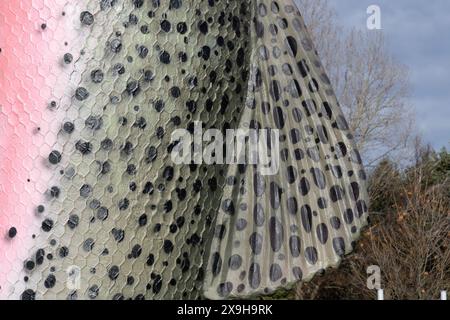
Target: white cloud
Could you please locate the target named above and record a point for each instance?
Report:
(417, 34)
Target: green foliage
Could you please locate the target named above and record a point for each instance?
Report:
(387, 183)
(281, 294)
(440, 168)
(436, 169)
(384, 184)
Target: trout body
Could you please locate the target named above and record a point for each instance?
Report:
(90, 96)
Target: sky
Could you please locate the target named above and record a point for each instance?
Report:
(418, 35)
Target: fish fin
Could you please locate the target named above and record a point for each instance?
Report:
(281, 225)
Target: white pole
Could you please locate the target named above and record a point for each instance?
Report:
(380, 294)
(443, 295)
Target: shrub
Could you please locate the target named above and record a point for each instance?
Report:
(408, 239)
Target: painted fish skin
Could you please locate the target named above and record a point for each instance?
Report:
(32, 36)
(120, 220)
(126, 222)
(288, 226)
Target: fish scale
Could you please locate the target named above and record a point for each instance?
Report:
(120, 219)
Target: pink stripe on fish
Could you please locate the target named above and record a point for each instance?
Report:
(33, 40)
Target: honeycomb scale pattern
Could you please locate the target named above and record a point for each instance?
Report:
(92, 205)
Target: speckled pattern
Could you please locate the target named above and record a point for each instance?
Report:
(90, 95)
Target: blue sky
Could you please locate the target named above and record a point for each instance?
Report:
(418, 35)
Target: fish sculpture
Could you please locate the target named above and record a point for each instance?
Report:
(92, 203)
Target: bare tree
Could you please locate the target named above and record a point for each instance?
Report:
(371, 86)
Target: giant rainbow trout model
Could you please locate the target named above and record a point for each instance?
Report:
(92, 205)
